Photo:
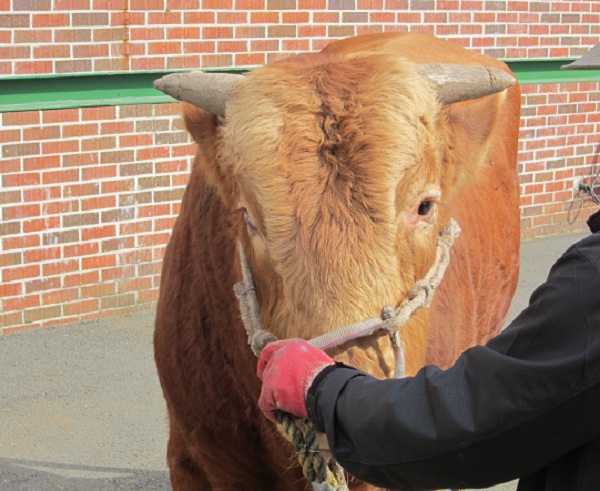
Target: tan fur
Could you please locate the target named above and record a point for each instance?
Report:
(330, 154)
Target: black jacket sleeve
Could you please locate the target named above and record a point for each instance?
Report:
(502, 411)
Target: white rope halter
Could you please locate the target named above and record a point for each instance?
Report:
(389, 322)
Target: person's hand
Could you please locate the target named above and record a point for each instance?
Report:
(287, 369)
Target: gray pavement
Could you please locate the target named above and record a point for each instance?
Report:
(81, 408)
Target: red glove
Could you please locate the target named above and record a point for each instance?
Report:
(287, 369)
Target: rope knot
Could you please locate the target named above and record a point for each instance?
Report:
(422, 288)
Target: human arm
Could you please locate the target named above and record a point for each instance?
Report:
(502, 411)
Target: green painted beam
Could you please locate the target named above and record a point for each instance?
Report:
(72, 91)
(549, 72)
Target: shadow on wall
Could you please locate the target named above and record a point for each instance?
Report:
(588, 187)
(25, 475)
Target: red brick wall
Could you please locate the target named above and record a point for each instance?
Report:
(88, 195)
(87, 202)
(75, 36)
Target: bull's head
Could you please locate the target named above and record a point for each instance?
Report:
(340, 167)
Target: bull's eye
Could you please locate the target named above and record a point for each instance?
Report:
(425, 207)
(252, 228)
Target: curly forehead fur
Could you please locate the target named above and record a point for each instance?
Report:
(320, 147)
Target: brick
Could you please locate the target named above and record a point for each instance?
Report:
(10, 289)
(80, 130)
(268, 17)
(60, 176)
(98, 290)
(78, 279)
(312, 31)
(422, 4)
(153, 153)
(118, 301)
(53, 20)
(115, 34)
(52, 51)
(60, 237)
(69, 35)
(355, 17)
(182, 62)
(117, 156)
(199, 17)
(98, 261)
(10, 228)
(98, 113)
(182, 32)
(118, 244)
(92, 19)
(41, 163)
(217, 32)
(15, 52)
(154, 182)
(145, 211)
(131, 199)
(184, 4)
(98, 202)
(118, 215)
(13, 196)
(20, 273)
(40, 224)
(111, 274)
(31, 5)
(73, 66)
(83, 189)
(250, 4)
(95, 233)
(9, 321)
(100, 143)
(21, 149)
(164, 48)
(217, 4)
(134, 284)
(21, 303)
(60, 115)
(90, 51)
(99, 172)
(282, 31)
(80, 220)
(82, 307)
(21, 211)
(21, 118)
(60, 267)
(60, 147)
(36, 286)
(232, 18)
(232, 46)
(13, 21)
(60, 296)
(135, 169)
(11, 166)
(20, 242)
(151, 240)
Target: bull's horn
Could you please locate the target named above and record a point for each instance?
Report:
(456, 83)
(208, 91)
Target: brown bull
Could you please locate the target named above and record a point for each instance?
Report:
(335, 171)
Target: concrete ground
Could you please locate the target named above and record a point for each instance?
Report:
(81, 408)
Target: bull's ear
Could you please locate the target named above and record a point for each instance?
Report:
(204, 127)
